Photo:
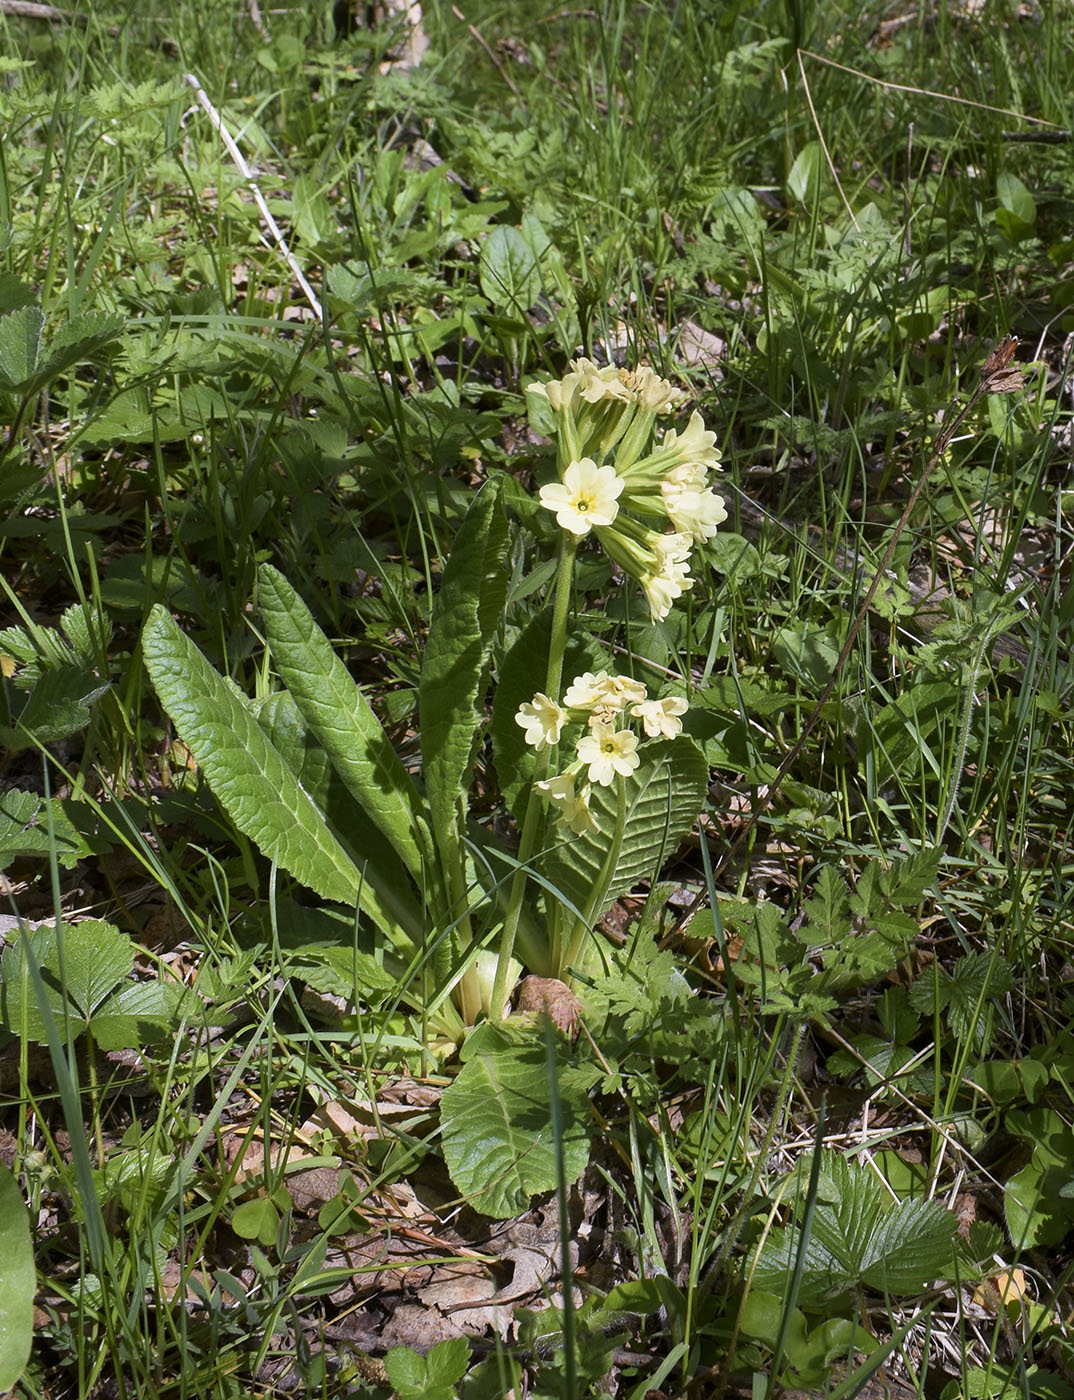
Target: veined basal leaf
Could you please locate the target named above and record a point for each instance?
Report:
(249, 778)
(343, 721)
(467, 612)
(496, 1126)
(663, 796)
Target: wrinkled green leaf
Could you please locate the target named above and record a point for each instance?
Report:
(466, 615)
(249, 778)
(496, 1126)
(343, 721)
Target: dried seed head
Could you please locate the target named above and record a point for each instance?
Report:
(996, 378)
(1000, 357)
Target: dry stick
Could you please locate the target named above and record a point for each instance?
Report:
(493, 59)
(996, 378)
(248, 175)
(27, 9)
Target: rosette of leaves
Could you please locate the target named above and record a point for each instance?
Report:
(312, 779)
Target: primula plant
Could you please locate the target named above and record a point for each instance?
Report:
(601, 781)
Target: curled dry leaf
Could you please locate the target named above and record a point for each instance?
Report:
(554, 998)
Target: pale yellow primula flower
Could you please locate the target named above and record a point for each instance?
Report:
(692, 510)
(652, 393)
(542, 719)
(589, 690)
(671, 578)
(595, 384)
(661, 716)
(572, 803)
(588, 495)
(696, 444)
(608, 751)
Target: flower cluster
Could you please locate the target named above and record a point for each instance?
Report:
(608, 747)
(611, 414)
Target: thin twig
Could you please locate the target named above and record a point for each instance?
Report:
(927, 92)
(476, 33)
(256, 20)
(247, 174)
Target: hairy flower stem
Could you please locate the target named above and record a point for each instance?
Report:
(533, 820)
(583, 927)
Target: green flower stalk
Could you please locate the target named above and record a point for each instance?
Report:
(643, 494)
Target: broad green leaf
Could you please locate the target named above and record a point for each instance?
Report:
(18, 1281)
(256, 1220)
(249, 778)
(97, 957)
(861, 1240)
(141, 1013)
(1016, 216)
(85, 970)
(343, 720)
(496, 1127)
(806, 175)
(1038, 1210)
(24, 830)
(80, 340)
(20, 346)
(899, 730)
(429, 1377)
(912, 1244)
(806, 654)
(466, 615)
(93, 960)
(508, 271)
(57, 706)
(663, 797)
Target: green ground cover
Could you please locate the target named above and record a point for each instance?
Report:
(479, 924)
